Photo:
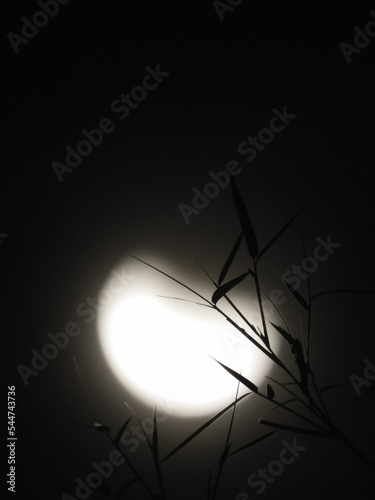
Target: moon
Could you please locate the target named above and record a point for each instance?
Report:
(167, 358)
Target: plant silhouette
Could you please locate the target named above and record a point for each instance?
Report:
(300, 388)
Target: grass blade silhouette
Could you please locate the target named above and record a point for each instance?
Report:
(239, 377)
(253, 443)
(247, 227)
(224, 289)
(297, 296)
(203, 427)
(227, 446)
(292, 428)
(275, 238)
(230, 259)
(122, 430)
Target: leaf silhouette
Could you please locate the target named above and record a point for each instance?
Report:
(329, 387)
(275, 238)
(239, 377)
(294, 429)
(122, 430)
(247, 228)
(203, 427)
(252, 443)
(230, 259)
(297, 296)
(270, 391)
(224, 289)
(287, 336)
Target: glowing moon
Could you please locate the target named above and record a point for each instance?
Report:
(163, 357)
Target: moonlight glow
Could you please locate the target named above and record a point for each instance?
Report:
(164, 357)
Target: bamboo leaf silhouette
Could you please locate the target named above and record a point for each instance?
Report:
(247, 228)
(203, 427)
(329, 387)
(230, 259)
(275, 238)
(239, 377)
(294, 429)
(122, 430)
(184, 300)
(224, 289)
(297, 296)
(252, 443)
(224, 455)
(84, 389)
(283, 405)
(270, 392)
(287, 336)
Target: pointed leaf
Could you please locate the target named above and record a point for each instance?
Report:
(287, 336)
(84, 388)
(293, 429)
(224, 289)
(247, 228)
(121, 431)
(230, 259)
(252, 443)
(270, 391)
(184, 300)
(284, 228)
(203, 427)
(329, 387)
(297, 296)
(282, 405)
(239, 377)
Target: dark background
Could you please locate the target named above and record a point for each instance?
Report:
(63, 238)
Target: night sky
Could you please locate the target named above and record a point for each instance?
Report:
(218, 75)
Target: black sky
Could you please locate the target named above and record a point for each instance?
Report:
(63, 238)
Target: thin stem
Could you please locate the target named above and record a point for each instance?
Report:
(345, 440)
(257, 286)
(221, 465)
